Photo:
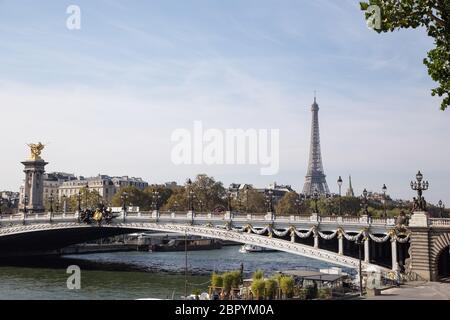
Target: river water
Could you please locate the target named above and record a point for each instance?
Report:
(135, 275)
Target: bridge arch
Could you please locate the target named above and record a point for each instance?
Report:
(205, 231)
(440, 257)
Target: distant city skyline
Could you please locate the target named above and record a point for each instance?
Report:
(107, 98)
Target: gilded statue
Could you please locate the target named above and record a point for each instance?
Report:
(36, 150)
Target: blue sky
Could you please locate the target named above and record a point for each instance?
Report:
(106, 98)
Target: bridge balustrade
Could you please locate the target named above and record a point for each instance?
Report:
(439, 222)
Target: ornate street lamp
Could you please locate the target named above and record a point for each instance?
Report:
(124, 198)
(315, 197)
(51, 199)
(79, 201)
(442, 207)
(64, 203)
(87, 189)
(190, 194)
(339, 182)
(384, 189)
(156, 198)
(365, 202)
(419, 186)
(270, 203)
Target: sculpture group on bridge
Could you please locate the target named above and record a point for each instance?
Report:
(100, 215)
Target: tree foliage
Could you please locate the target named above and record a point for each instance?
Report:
(258, 286)
(434, 15)
(288, 206)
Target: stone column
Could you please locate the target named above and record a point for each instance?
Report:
(316, 239)
(394, 254)
(420, 245)
(367, 250)
(34, 185)
(341, 244)
(292, 236)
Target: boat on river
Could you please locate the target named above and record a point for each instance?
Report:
(249, 248)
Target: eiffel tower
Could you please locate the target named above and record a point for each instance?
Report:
(315, 177)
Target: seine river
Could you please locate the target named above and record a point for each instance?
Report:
(135, 275)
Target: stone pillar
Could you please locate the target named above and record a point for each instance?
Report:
(34, 186)
(367, 250)
(420, 245)
(316, 240)
(341, 244)
(394, 254)
(292, 236)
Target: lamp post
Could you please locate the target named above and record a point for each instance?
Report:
(315, 197)
(190, 193)
(419, 186)
(156, 198)
(79, 201)
(124, 198)
(51, 199)
(442, 207)
(365, 204)
(269, 201)
(384, 189)
(200, 203)
(359, 244)
(86, 195)
(64, 204)
(339, 182)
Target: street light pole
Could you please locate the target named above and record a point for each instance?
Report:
(79, 201)
(339, 182)
(358, 242)
(419, 186)
(316, 198)
(441, 207)
(384, 200)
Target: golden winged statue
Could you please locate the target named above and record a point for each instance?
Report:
(36, 150)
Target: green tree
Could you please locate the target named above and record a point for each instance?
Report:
(211, 192)
(271, 286)
(135, 197)
(258, 286)
(288, 205)
(177, 202)
(330, 206)
(256, 201)
(149, 197)
(89, 199)
(227, 282)
(216, 280)
(434, 15)
(287, 285)
(205, 189)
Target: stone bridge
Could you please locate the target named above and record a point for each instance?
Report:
(419, 250)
